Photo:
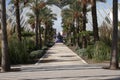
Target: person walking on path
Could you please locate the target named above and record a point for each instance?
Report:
(59, 38)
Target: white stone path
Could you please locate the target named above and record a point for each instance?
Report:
(60, 63)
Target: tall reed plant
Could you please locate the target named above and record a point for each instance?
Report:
(19, 51)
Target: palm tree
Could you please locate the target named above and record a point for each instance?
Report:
(84, 41)
(36, 5)
(60, 3)
(16, 4)
(94, 19)
(48, 32)
(5, 64)
(37, 8)
(67, 21)
(75, 13)
(47, 20)
(37, 21)
(31, 21)
(114, 64)
(17, 10)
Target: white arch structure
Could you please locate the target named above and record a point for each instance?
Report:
(101, 13)
(10, 12)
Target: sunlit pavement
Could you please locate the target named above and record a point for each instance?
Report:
(60, 63)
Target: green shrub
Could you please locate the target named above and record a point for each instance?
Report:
(27, 34)
(90, 51)
(99, 52)
(30, 44)
(45, 48)
(18, 51)
(0, 55)
(119, 50)
(37, 54)
(81, 52)
(49, 44)
(86, 53)
(105, 33)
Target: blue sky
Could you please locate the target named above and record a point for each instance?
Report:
(7, 1)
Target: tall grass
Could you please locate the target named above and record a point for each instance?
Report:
(98, 52)
(105, 32)
(19, 51)
(101, 51)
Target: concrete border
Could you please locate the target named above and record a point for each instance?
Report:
(78, 56)
(40, 59)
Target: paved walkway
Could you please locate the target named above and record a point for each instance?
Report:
(60, 63)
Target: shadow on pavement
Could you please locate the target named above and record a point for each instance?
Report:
(98, 77)
(60, 68)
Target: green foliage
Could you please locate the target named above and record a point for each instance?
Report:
(19, 51)
(28, 34)
(30, 44)
(106, 34)
(50, 44)
(119, 23)
(119, 50)
(89, 52)
(0, 53)
(37, 54)
(101, 51)
(98, 52)
(0, 25)
(45, 48)
(85, 33)
(81, 52)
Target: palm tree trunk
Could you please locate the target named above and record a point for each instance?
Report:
(40, 35)
(45, 39)
(37, 25)
(84, 41)
(16, 3)
(49, 33)
(74, 42)
(36, 30)
(114, 51)
(78, 31)
(94, 20)
(68, 36)
(5, 64)
(74, 36)
(71, 36)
